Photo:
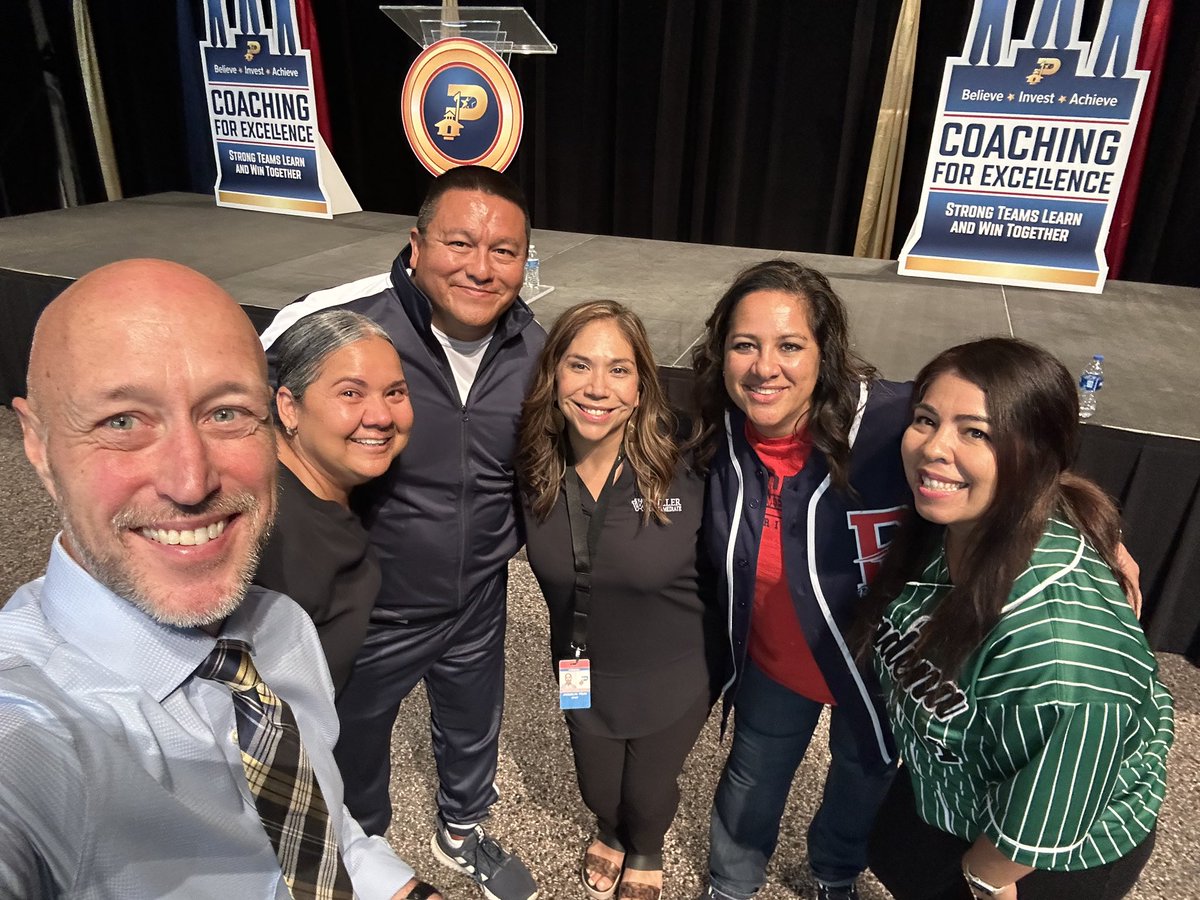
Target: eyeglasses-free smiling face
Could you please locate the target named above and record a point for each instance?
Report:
(772, 361)
(948, 455)
(149, 423)
(470, 261)
(596, 386)
(354, 419)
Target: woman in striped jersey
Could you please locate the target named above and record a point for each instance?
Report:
(1022, 694)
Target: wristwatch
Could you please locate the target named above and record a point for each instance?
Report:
(980, 888)
(421, 891)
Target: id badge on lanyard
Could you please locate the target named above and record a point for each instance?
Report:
(575, 675)
(575, 684)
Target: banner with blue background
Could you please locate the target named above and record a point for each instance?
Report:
(263, 111)
(1029, 148)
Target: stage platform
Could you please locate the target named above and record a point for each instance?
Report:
(1147, 333)
(1143, 443)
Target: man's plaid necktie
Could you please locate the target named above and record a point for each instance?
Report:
(281, 778)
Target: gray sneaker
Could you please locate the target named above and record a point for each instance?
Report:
(711, 893)
(838, 892)
(500, 875)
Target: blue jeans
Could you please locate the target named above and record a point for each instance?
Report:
(772, 728)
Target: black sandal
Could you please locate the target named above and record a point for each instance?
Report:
(422, 890)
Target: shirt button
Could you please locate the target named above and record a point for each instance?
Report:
(754, 504)
(758, 472)
(742, 562)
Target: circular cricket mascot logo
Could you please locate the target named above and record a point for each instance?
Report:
(461, 107)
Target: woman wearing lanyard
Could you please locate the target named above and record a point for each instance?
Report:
(612, 519)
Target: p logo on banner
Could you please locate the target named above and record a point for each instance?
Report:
(1029, 148)
(263, 114)
(461, 106)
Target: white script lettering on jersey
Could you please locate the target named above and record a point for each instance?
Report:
(940, 697)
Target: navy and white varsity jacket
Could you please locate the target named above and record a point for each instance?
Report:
(443, 518)
(833, 544)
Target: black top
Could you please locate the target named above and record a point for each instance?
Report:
(443, 517)
(650, 632)
(320, 556)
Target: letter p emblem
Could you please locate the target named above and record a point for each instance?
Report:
(470, 99)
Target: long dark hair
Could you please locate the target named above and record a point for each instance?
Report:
(1033, 412)
(649, 444)
(835, 396)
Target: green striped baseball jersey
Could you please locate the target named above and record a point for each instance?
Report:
(1053, 740)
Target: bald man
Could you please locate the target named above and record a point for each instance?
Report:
(148, 422)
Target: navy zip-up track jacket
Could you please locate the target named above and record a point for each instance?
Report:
(833, 543)
(443, 518)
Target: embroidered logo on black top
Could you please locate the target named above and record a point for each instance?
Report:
(669, 505)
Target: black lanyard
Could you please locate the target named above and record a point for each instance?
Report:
(584, 541)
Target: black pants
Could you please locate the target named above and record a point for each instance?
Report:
(461, 659)
(632, 784)
(916, 861)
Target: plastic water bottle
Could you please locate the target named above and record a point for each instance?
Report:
(533, 274)
(1090, 381)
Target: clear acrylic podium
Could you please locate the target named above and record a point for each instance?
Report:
(506, 29)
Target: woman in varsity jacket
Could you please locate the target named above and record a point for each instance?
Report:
(804, 489)
(1022, 694)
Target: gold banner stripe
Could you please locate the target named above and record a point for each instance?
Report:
(259, 200)
(1010, 271)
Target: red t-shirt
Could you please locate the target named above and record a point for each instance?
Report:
(777, 644)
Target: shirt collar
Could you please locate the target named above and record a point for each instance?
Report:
(115, 633)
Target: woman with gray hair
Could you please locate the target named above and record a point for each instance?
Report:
(343, 414)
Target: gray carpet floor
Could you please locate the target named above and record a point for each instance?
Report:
(540, 814)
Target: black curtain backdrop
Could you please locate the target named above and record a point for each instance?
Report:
(32, 75)
(743, 123)
(1162, 246)
(721, 123)
(137, 47)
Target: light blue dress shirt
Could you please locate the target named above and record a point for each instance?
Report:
(120, 774)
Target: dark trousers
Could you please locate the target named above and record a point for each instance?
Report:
(772, 729)
(632, 784)
(461, 660)
(916, 861)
